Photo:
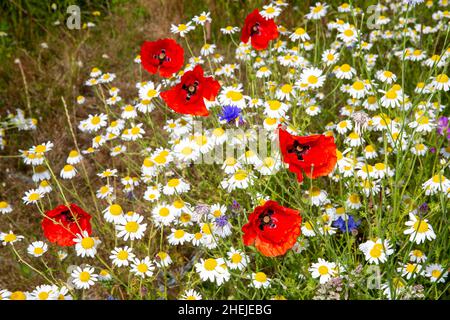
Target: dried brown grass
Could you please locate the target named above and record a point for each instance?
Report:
(56, 72)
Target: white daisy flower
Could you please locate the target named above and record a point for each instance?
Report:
(241, 179)
(436, 273)
(5, 207)
(68, 172)
(437, 183)
(237, 259)
(312, 77)
(323, 270)
(260, 280)
(162, 259)
(214, 270)
(121, 256)
(299, 33)
(419, 229)
(191, 294)
(131, 227)
(176, 185)
(317, 12)
(37, 248)
(376, 251)
(84, 278)
(270, 11)
(202, 18)
(179, 236)
(32, 196)
(182, 29)
(163, 214)
(44, 292)
(86, 246)
(229, 30)
(113, 213)
(142, 268)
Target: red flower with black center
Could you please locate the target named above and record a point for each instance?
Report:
(315, 155)
(259, 30)
(164, 56)
(272, 228)
(62, 224)
(187, 96)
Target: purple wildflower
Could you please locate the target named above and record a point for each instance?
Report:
(443, 127)
(423, 207)
(235, 206)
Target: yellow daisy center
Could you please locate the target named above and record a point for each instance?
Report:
(87, 243)
(43, 295)
(436, 273)
(391, 94)
(164, 212)
(240, 175)
(142, 268)
(210, 264)
(421, 226)
(442, 78)
(40, 148)
(312, 79)
(10, 237)
(358, 85)
(84, 276)
(179, 234)
(132, 226)
(345, 68)
(323, 270)
(122, 255)
(260, 277)
(376, 251)
(95, 120)
(349, 33)
(151, 93)
(115, 210)
(236, 258)
(173, 183)
(187, 151)
(234, 95)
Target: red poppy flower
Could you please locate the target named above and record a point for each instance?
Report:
(164, 56)
(273, 229)
(61, 225)
(315, 155)
(260, 30)
(187, 96)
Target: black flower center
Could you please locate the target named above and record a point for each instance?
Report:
(299, 149)
(162, 56)
(255, 29)
(68, 216)
(265, 219)
(190, 89)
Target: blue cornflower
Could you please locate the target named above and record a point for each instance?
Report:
(222, 221)
(230, 114)
(346, 226)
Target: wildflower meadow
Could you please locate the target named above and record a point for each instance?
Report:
(300, 151)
